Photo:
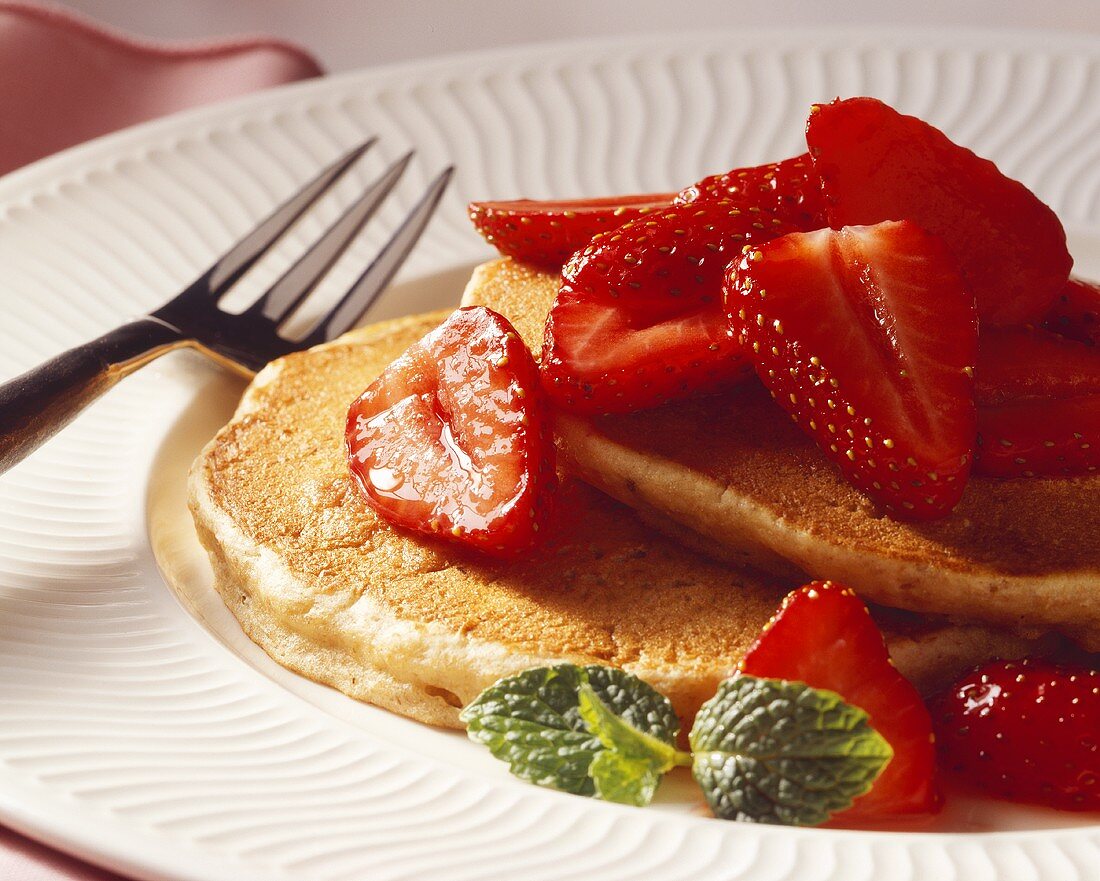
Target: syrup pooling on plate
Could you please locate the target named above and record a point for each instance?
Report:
(450, 440)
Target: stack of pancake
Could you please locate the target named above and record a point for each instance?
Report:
(704, 514)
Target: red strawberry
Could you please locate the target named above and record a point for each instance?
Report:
(639, 320)
(1038, 398)
(876, 164)
(1076, 312)
(824, 636)
(1025, 730)
(868, 338)
(1039, 437)
(547, 233)
(789, 189)
(452, 440)
(1023, 362)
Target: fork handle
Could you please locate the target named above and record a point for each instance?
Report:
(38, 404)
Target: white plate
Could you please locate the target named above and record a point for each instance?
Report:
(140, 729)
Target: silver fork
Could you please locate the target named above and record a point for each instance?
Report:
(38, 404)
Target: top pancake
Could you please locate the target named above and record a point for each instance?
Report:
(331, 590)
(733, 468)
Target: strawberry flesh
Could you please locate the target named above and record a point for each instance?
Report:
(1039, 437)
(790, 190)
(1038, 400)
(1025, 730)
(824, 636)
(452, 440)
(868, 338)
(1076, 312)
(546, 233)
(877, 164)
(1026, 362)
(638, 320)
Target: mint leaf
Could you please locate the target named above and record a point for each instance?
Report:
(590, 730)
(772, 751)
(631, 768)
(531, 721)
(638, 703)
(623, 779)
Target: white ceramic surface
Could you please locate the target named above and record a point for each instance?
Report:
(139, 728)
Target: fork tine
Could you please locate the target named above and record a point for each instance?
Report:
(241, 257)
(374, 279)
(296, 283)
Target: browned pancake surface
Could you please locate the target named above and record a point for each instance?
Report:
(604, 585)
(329, 589)
(733, 467)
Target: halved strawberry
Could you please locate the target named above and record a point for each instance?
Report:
(1026, 362)
(639, 320)
(1039, 437)
(1076, 312)
(452, 440)
(876, 164)
(824, 636)
(789, 189)
(1026, 730)
(868, 338)
(547, 233)
(1038, 398)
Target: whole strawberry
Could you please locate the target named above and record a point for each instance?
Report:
(1025, 730)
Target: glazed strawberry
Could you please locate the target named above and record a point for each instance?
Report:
(639, 320)
(1076, 312)
(1038, 398)
(789, 189)
(876, 164)
(868, 338)
(1025, 362)
(452, 439)
(824, 636)
(1025, 730)
(546, 234)
(1039, 437)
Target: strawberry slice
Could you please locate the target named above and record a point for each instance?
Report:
(824, 636)
(638, 320)
(1039, 437)
(452, 440)
(789, 189)
(1025, 362)
(1025, 730)
(876, 164)
(1076, 312)
(868, 338)
(1038, 398)
(546, 234)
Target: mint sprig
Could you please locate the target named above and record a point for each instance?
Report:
(590, 730)
(772, 751)
(763, 750)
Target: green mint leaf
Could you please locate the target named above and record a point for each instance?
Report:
(632, 766)
(637, 703)
(591, 730)
(772, 751)
(624, 779)
(531, 721)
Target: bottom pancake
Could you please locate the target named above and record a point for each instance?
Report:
(328, 589)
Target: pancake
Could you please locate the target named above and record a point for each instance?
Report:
(331, 591)
(1021, 554)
